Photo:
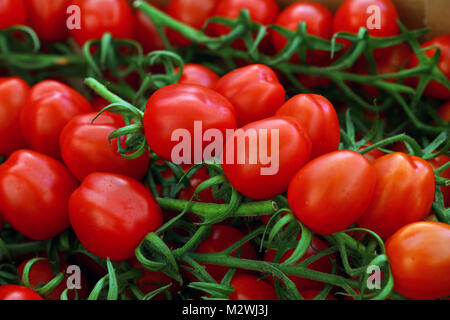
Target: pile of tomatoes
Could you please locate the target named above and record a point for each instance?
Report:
(90, 193)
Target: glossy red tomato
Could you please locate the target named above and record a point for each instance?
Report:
(191, 12)
(318, 116)
(436, 163)
(322, 265)
(146, 31)
(12, 12)
(311, 294)
(196, 104)
(262, 167)
(197, 74)
(41, 272)
(13, 292)
(13, 95)
(86, 148)
(254, 91)
(419, 256)
(444, 111)
(111, 214)
(48, 18)
(221, 238)
(435, 89)
(248, 287)
(34, 192)
(331, 192)
(101, 16)
(403, 194)
(50, 106)
(319, 22)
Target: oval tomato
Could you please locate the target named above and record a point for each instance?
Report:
(331, 192)
(197, 74)
(13, 292)
(221, 238)
(435, 89)
(111, 214)
(248, 287)
(318, 116)
(419, 257)
(319, 22)
(50, 106)
(13, 93)
(101, 16)
(85, 147)
(254, 91)
(12, 12)
(444, 111)
(48, 18)
(34, 192)
(257, 172)
(146, 31)
(436, 163)
(403, 194)
(197, 104)
(323, 264)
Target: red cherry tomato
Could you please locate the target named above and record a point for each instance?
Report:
(419, 257)
(311, 294)
(248, 287)
(111, 214)
(319, 22)
(13, 292)
(322, 265)
(50, 106)
(101, 16)
(48, 18)
(436, 163)
(34, 191)
(435, 89)
(12, 12)
(195, 103)
(403, 194)
(263, 179)
(14, 93)
(41, 272)
(197, 74)
(331, 192)
(85, 147)
(254, 91)
(221, 238)
(146, 31)
(206, 195)
(194, 13)
(444, 111)
(318, 116)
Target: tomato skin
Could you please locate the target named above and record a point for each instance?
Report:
(322, 265)
(41, 272)
(403, 194)
(419, 257)
(111, 214)
(318, 116)
(444, 111)
(294, 151)
(85, 147)
(248, 287)
(13, 292)
(146, 31)
(12, 12)
(13, 93)
(48, 19)
(436, 163)
(195, 103)
(196, 74)
(194, 13)
(50, 106)
(221, 238)
(435, 89)
(101, 16)
(254, 91)
(331, 192)
(34, 191)
(319, 22)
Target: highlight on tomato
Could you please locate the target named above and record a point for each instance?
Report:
(197, 74)
(15, 292)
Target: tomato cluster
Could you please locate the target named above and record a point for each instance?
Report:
(174, 187)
